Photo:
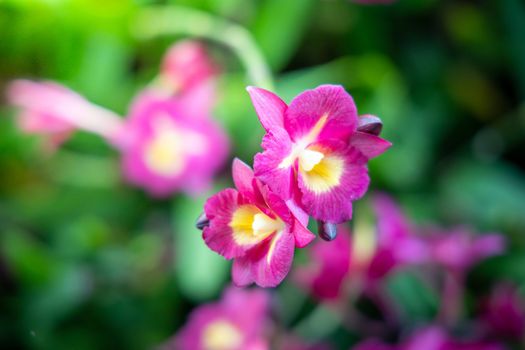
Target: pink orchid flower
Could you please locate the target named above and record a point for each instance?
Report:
(369, 254)
(314, 150)
(459, 249)
(50, 109)
(504, 312)
(172, 144)
(185, 66)
(236, 322)
(430, 338)
(255, 227)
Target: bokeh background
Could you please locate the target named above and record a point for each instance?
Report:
(90, 262)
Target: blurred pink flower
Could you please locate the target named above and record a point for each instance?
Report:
(370, 253)
(504, 313)
(329, 266)
(172, 144)
(255, 227)
(50, 109)
(185, 65)
(236, 322)
(314, 150)
(459, 249)
(430, 338)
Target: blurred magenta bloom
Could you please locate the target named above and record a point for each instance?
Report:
(255, 227)
(504, 313)
(185, 66)
(236, 322)
(313, 150)
(172, 144)
(397, 242)
(328, 268)
(369, 254)
(50, 109)
(459, 249)
(430, 338)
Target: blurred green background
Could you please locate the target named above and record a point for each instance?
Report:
(89, 262)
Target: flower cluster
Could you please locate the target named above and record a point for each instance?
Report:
(313, 163)
(169, 142)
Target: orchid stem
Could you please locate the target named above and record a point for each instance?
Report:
(171, 20)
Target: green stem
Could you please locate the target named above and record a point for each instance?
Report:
(171, 20)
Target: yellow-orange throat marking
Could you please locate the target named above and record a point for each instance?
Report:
(250, 225)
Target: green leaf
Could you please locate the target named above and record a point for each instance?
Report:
(199, 271)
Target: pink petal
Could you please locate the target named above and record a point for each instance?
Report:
(369, 145)
(330, 101)
(298, 212)
(218, 236)
(330, 263)
(199, 101)
(277, 146)
(269, 107)
(335, 205)
(242, 271)
(242, 177)
(274, 265)
(302, 235)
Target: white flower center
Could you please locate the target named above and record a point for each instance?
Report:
(263, 225)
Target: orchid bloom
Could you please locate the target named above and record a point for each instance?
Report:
(255, 227)
(314, 150)
(171, 144)
(48, 108)
(504, 312)
(459, 249)
(236, 322)
(185, 65)
(369, 253)
(430, 338)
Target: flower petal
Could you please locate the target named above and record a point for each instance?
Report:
(242, 177)
(327, 112)
(219, 235)
(302, 235)
(267, 165)
(329, 189)
(272, 267)
(242, 272)
(269, 107)
(369, 145)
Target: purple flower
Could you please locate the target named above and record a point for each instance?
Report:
(459, 249)
(50, 109)
(255, 227)
(236, 322)
(430, 338)
(370, 253)
(504, 313)
(172, 144)
(314, 151)
(329, 266)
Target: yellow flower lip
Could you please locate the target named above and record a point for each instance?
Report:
(251, 226)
